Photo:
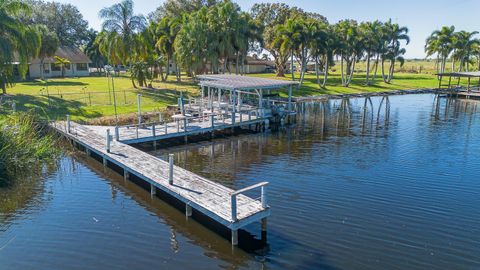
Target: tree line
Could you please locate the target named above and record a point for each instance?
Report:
(462, 48)
(212, 36)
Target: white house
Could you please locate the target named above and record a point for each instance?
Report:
(78, 67)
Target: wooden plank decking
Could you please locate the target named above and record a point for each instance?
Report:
(210, 198)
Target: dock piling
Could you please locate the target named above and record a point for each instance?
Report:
(108, 140)
(117, 134)
(263, 197)
(170, 171)
(188, 210)
(234, 237)
(153, 190)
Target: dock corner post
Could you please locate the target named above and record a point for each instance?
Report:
(263, 196)
(234, 237)
(153, 130)
(117, 134)
(188, 210)
(290, 98)
(139, 97)
(170, 171)
(212, 120)
(234, 207)
(108, 140)
(68, 123)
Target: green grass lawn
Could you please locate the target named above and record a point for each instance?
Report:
(401, 81)
(89, 97)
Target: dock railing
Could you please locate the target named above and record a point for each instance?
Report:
(263, 197)
(215, 119)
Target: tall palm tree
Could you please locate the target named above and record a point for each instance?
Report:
(440, 42)
(166, 31)
(464, 44)
(394, 35)
(289, 39)
(48, 47)
(349, 46)
(371, 37)
(121, 20)
(18, 42)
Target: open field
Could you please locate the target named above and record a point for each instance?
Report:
(90, 97)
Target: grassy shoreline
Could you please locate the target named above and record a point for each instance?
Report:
(25, 145)
(90, 98)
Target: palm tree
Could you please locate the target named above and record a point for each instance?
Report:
(349, 46)
(440, 42)
(49, 45)
(289, 39)
(394, 35)
(464, 46)
(19, 42)
(92, 50)
(121, 25)
(62, 62)
(372, 38)
(166, 31)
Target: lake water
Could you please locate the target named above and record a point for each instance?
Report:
(349, 189)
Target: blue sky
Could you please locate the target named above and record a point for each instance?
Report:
(420, 16)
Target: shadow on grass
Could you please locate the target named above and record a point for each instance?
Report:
(63, 82)
(57, 108)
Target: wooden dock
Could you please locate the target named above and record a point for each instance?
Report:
(188, 126)
(228, 207)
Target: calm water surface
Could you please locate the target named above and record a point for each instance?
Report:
(349, 189)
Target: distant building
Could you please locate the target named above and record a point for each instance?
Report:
(78, 67)
(255, 65)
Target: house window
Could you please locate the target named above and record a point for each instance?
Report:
(82, 66)
(67, 66)
(56, 67)
(46, 68)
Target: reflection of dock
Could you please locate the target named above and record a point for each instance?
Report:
(466, 94)
(227, 207)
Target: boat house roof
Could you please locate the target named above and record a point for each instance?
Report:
(236, 82)
(471, 74)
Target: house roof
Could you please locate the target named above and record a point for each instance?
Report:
(256, 61)
(73, 54)
(236, 82)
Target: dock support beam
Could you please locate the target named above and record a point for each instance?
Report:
(234, 237)
(126, 174)
(188, 210)
(170, 171)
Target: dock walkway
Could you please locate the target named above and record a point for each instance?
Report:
(226, 206)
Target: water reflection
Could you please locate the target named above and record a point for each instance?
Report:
(361, 183)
